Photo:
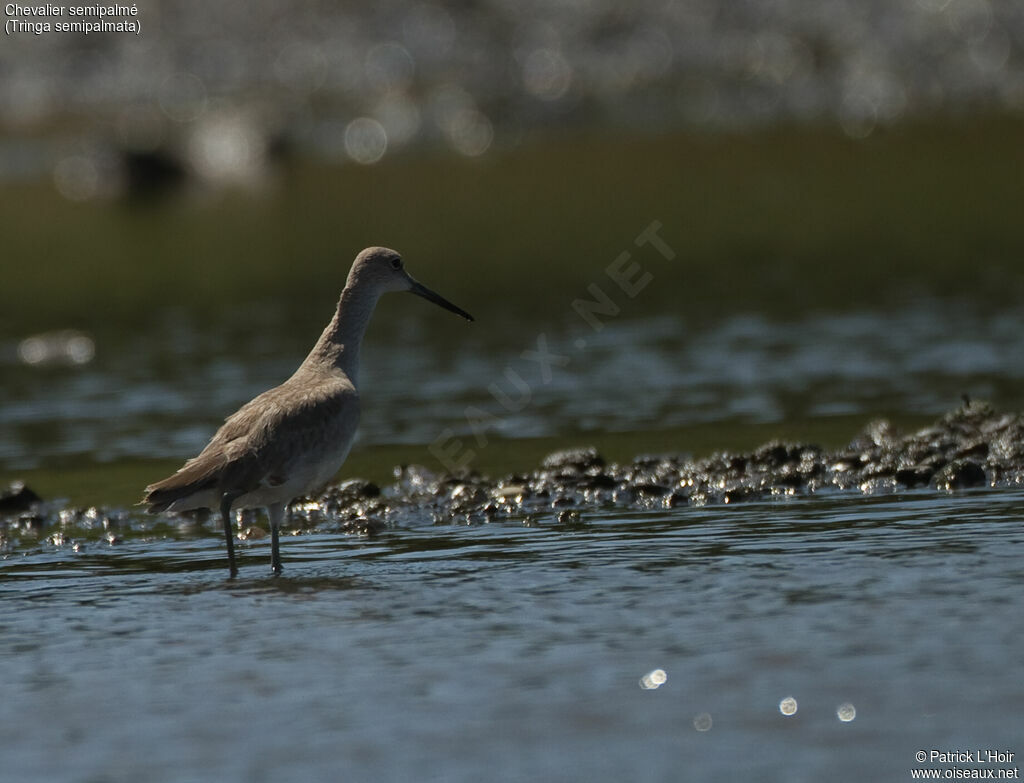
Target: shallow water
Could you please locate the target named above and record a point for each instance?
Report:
(162, 391)
(513, 652)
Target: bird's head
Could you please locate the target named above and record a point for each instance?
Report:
(382, 269)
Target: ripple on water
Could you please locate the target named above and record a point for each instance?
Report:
(513, 638)
(123, 405)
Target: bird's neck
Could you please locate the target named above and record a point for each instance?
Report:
(338, 346)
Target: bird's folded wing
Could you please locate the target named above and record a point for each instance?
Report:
(257, 443)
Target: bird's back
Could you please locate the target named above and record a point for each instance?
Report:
(290, 439)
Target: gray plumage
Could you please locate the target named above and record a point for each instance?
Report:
(282, 435)
(291, 440)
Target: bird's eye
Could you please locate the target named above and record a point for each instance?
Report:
(396, 263)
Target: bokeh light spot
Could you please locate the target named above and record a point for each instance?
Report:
(546, 74)
(653, 679)
(366, 141)
(846, 712)
(65, 346)
(470, 132)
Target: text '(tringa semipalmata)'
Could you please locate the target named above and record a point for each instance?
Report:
(291, 440)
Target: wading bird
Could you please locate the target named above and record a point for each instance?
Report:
(291, 440)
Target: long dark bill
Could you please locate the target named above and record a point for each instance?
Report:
(421, 290)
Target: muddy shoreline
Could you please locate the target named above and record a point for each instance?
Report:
(971, 446)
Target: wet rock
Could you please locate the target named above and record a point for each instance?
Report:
(680, 497)
(640, 491)
(880, 485)
(918, 476)
(654, 462)
(964, 448)
(509, 493)
(968, 415)
(961, 474)
(57, 539)
(465, 497)
(578, 459)
(845, 463)
(973, 446)
(16, 498)
(416, 479)
(976, 448)
(570, 518)
(356, 489)
(879, 433)
(351, 498)
(365, 526)
(30, 521)
(598, 481)
(726, 463)
(790, 479)
(776, 454)
(741, 494)
(884, 467)
(1007, 447)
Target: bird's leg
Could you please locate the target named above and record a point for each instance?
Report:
(225, 512)
(276, 514)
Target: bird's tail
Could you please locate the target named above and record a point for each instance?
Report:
(194, 477)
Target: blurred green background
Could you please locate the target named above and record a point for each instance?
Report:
(781, 220)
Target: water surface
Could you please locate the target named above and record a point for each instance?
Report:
(162, 391)
(513, 652)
